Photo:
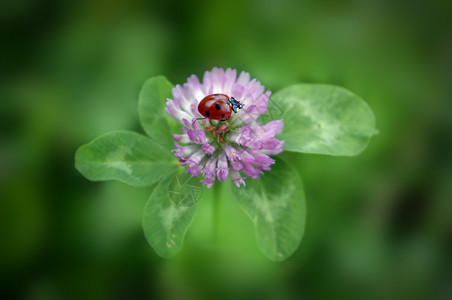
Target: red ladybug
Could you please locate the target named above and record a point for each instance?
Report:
(218, 106)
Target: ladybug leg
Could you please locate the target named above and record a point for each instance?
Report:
(197, 119)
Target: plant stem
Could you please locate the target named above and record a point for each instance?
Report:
(216, 211)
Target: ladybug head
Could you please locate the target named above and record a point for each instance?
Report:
(235, 105)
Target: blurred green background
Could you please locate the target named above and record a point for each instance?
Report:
(379, 225)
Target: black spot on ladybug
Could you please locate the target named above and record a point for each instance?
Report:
(222, 115)
(207, 113)
(216, 95)
(218, 106)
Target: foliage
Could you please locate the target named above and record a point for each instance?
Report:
(319, 119)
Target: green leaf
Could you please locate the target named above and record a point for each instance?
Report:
(164, 221)
(276, 205)
(324, 119)
(125, 156)
(151, 109)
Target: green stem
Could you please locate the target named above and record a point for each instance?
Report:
(216, 211)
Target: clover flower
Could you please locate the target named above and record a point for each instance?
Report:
(239, 147)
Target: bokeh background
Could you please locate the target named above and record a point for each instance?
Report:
(378, 225)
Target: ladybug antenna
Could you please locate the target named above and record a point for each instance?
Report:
(235, 105)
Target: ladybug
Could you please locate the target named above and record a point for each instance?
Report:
(218, 106)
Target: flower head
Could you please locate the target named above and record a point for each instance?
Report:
(239, 146)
